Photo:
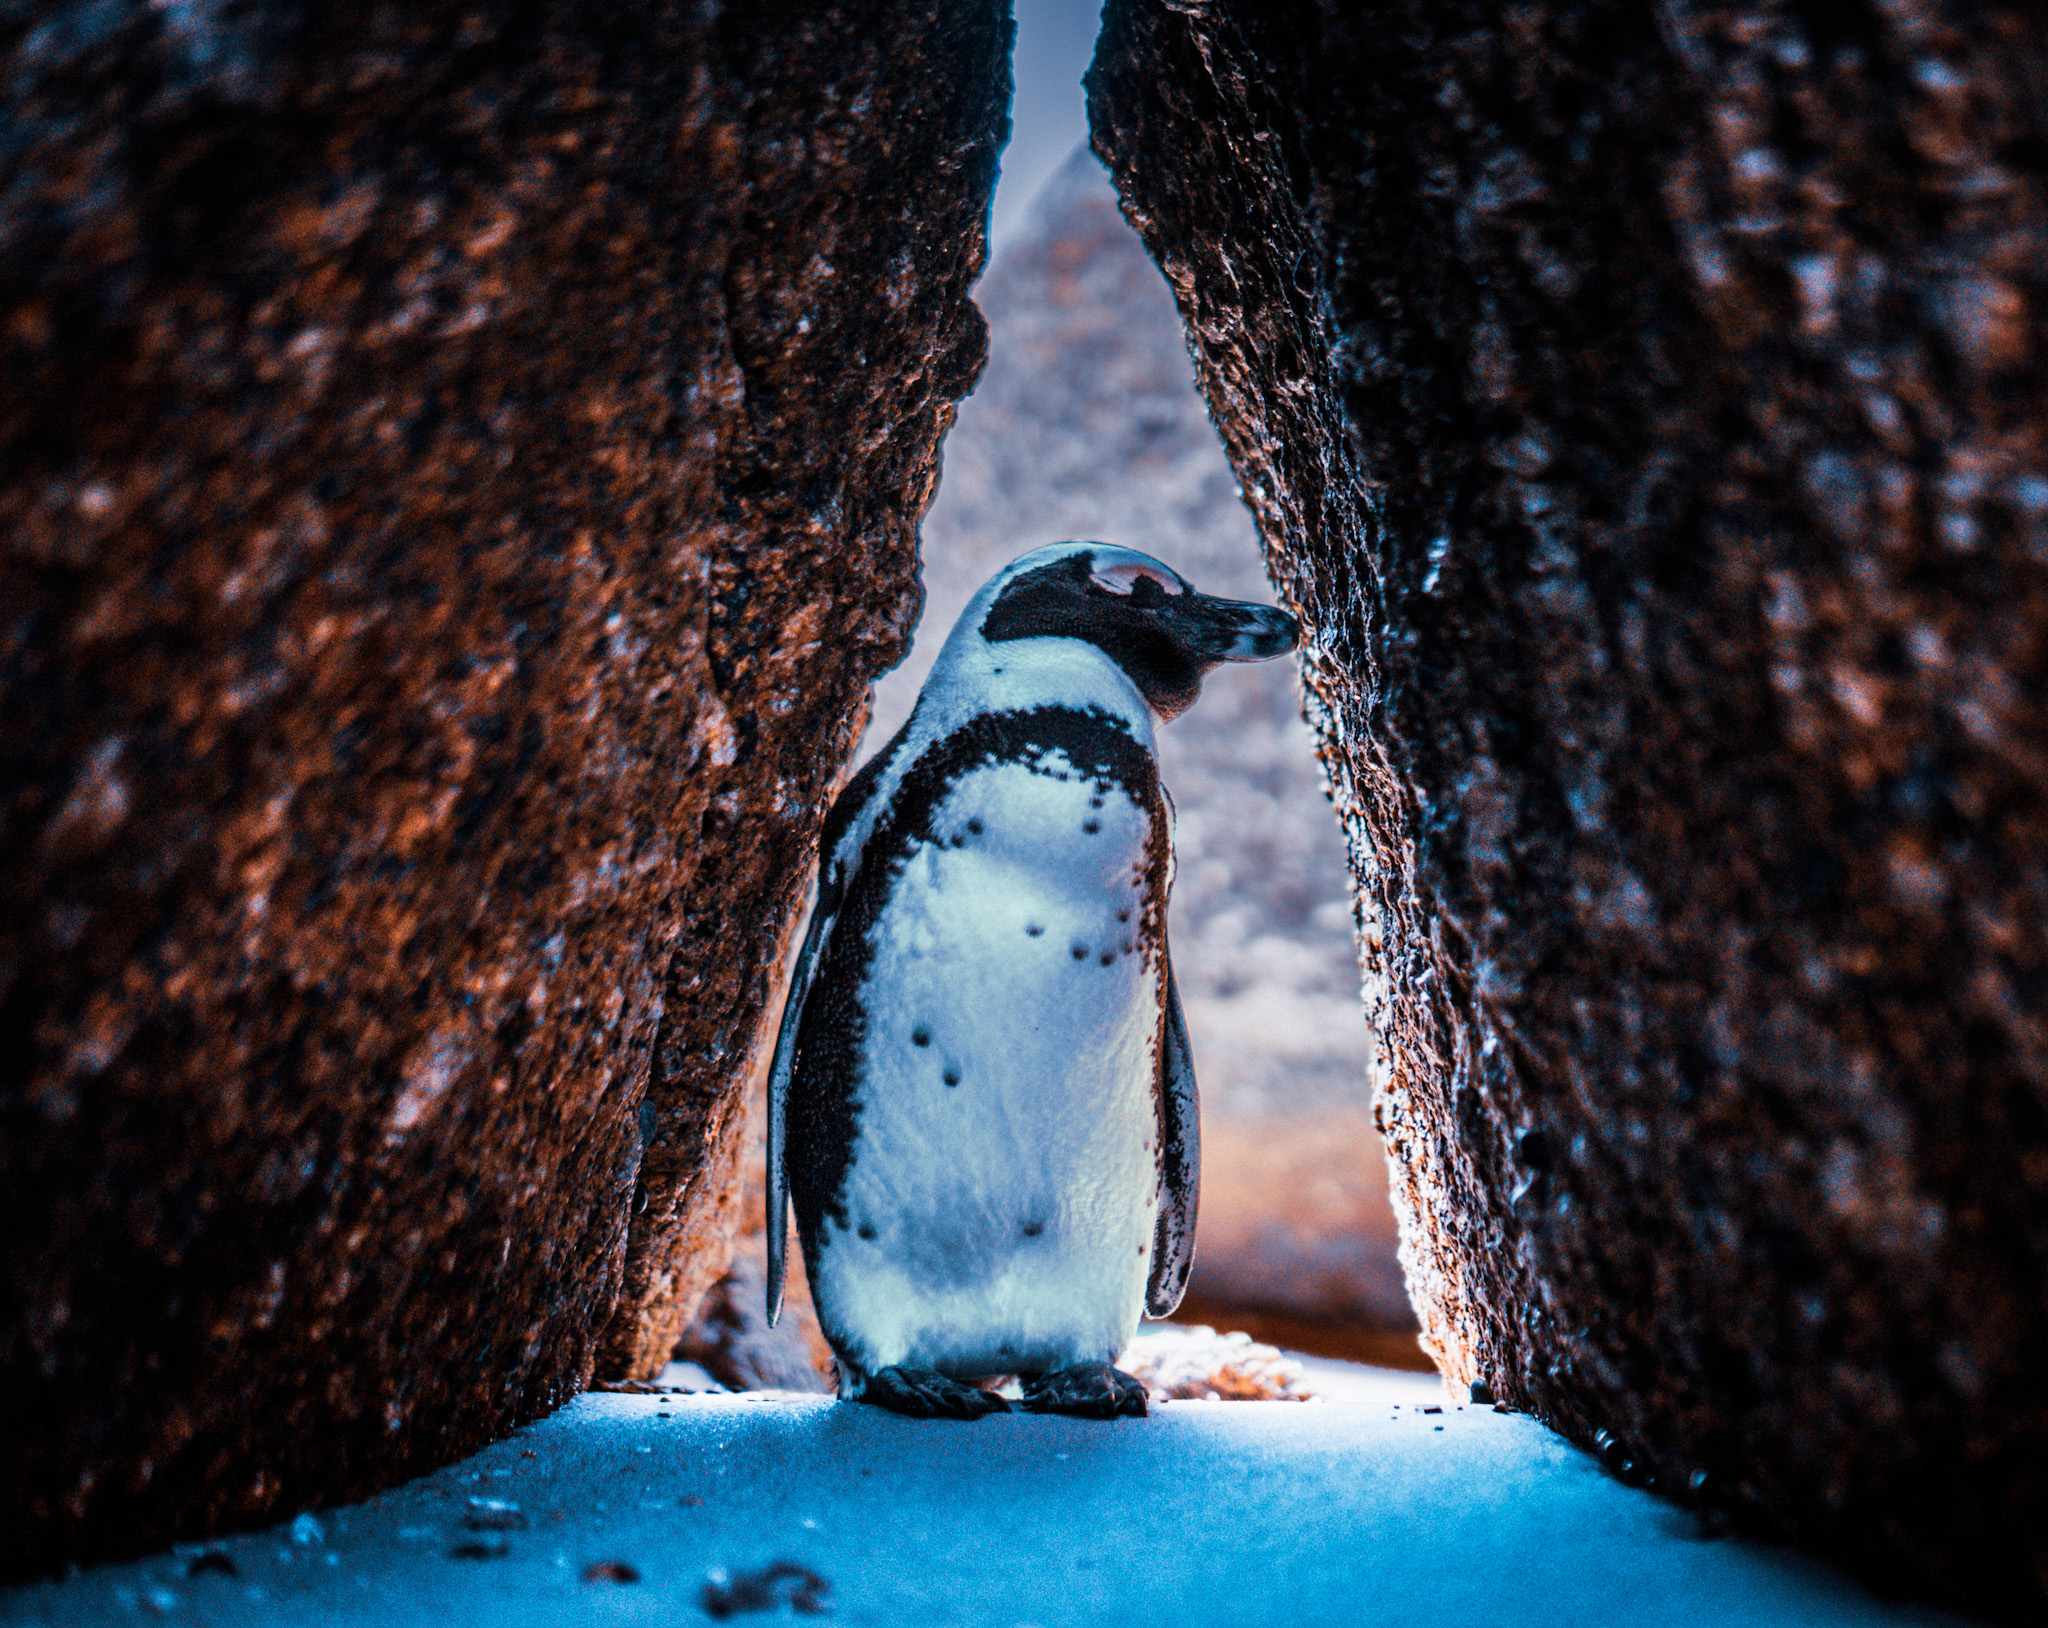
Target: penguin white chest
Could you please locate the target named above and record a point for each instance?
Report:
(1000, 1200)
(982, 1107)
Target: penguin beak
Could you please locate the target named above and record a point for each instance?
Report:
(1213, 630)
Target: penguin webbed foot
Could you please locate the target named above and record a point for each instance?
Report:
(925, 1393)
(1087, 1390)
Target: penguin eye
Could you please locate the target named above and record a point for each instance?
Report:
(1124, 579)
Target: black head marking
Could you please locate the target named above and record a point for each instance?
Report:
(1162, 633)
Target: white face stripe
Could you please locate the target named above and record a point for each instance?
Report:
(1107, 556)
(1123, 576)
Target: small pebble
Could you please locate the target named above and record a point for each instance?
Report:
(493, 1515)
(785, 1582)
(610, 1571)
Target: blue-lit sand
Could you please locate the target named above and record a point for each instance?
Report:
(1347, 1512)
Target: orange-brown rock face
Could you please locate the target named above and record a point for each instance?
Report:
(461, 472)
(1645, 409)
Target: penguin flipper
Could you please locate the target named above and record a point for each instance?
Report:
(780, 1072)
(1180, 1161)
(836, 859)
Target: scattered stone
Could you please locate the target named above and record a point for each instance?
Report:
(493, 1515)
(692, 1381)
(1199, 1365)
(783, 1583)
(610, 1571)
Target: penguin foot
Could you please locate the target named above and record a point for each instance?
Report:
(1087, 1390)
(924, 1393)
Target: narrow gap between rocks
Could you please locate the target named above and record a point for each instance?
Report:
(1087, 424)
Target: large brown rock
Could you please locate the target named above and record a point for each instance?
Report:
(1645, 408)
(461, 473)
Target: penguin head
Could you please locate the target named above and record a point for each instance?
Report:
(1142, 614)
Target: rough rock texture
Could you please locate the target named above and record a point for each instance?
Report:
(1087, 423)
(1644, 407)
(459, 471)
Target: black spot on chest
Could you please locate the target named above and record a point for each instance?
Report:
(826, 1089)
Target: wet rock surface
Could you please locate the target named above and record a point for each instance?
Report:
(1644, 407)
(461, 471)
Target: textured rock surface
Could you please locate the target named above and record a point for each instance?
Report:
(1645, 409)
(1087, 424)
(461, 469)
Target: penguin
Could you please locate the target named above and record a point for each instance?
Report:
(982, 1102)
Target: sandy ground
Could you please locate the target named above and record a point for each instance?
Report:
(1357, 1511)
